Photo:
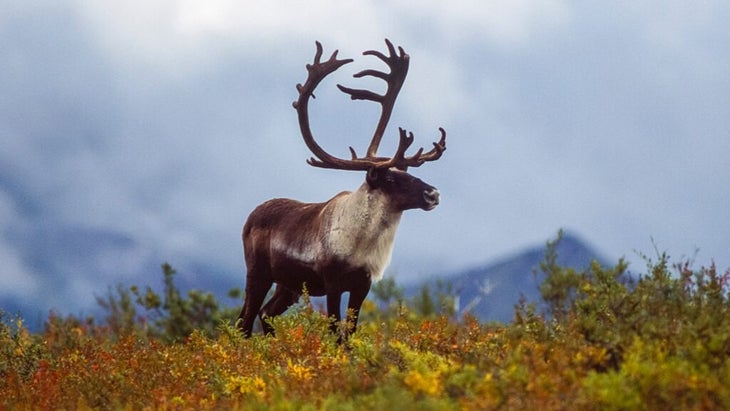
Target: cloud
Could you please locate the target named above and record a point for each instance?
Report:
(145, 132)
(14, 271)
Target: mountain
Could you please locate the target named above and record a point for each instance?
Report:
(490, 291)
(67, 283)
(68, 267)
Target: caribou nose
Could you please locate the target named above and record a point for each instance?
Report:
(431, 196)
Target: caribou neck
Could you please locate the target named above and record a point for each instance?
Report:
(362, 229)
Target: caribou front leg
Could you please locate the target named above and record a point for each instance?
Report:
(334, 297)
(357, 296)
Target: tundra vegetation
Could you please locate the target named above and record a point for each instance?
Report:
(602, 338)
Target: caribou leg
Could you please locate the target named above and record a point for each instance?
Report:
(333, 310)
(282, 299)
(256, 290)
(357, 296)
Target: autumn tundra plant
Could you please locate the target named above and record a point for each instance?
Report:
(343, 244)
(611, 307)
(170, 314)
(659, 340)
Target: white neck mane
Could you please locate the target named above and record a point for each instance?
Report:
(362, 230)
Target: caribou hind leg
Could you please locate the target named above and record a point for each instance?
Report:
(256, 290)
(282, 299)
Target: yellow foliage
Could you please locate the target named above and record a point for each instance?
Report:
(245, 385)
(428, 383)
(667, 347)
(299, 371)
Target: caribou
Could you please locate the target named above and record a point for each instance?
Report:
(343, 244)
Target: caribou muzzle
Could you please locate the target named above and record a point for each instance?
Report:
(431, 197)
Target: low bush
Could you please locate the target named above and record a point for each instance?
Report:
(606, 340)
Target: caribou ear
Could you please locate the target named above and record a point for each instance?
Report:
(373, 176)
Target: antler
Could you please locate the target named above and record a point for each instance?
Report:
(398, 63)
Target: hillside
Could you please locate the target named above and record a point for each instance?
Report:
(661, 343)
(491, 290)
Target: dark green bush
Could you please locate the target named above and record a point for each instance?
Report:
(170, 316)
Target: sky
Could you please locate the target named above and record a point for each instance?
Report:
(137, 132)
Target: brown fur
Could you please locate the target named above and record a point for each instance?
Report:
(338, 246)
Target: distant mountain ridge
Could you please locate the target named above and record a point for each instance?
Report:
(490, 291)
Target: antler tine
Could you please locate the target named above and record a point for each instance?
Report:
(438, 148)
(317, 71)
(398, 64)
(406, 139)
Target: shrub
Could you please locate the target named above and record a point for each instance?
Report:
(606, 340)
(171, 316)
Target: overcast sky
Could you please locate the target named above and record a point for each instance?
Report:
(138, 131)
